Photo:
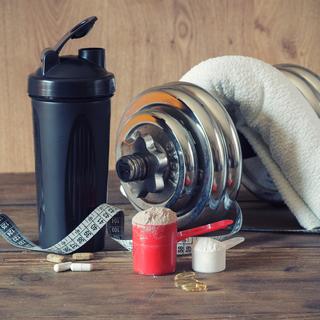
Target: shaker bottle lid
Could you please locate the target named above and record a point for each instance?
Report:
(72, 77)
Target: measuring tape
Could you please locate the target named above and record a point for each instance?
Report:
(95, 221)
(104, 214)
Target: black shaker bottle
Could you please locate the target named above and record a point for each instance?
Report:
(71, 119)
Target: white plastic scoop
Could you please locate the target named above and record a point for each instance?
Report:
(209, 255)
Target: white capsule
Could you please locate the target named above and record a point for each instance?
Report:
(59, 267)
(81, 267)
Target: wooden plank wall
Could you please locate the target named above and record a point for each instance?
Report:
(148, 42)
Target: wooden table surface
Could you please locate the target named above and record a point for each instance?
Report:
(270, 276)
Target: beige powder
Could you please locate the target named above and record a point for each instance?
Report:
(155, 216)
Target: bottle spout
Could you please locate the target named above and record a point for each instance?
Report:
(93, 55)
(50, 56)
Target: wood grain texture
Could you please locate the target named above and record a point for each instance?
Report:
(258, 284)
(148, 42)
(269, 276)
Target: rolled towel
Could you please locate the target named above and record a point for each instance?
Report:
(278, 122)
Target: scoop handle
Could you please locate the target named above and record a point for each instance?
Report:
(230, 243)
(182, 235)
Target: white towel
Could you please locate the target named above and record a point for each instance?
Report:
(277, 121)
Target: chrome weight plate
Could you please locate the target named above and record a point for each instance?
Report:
(183, 120)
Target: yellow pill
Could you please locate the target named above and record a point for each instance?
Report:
(56, 258)
(178, 283)
(189, 286)
(194, 287)
(202, 286)
(184, 275)
(83, 256)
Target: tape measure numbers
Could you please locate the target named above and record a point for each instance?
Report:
(103, 215)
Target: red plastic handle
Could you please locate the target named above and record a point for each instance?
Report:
(203, 229)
